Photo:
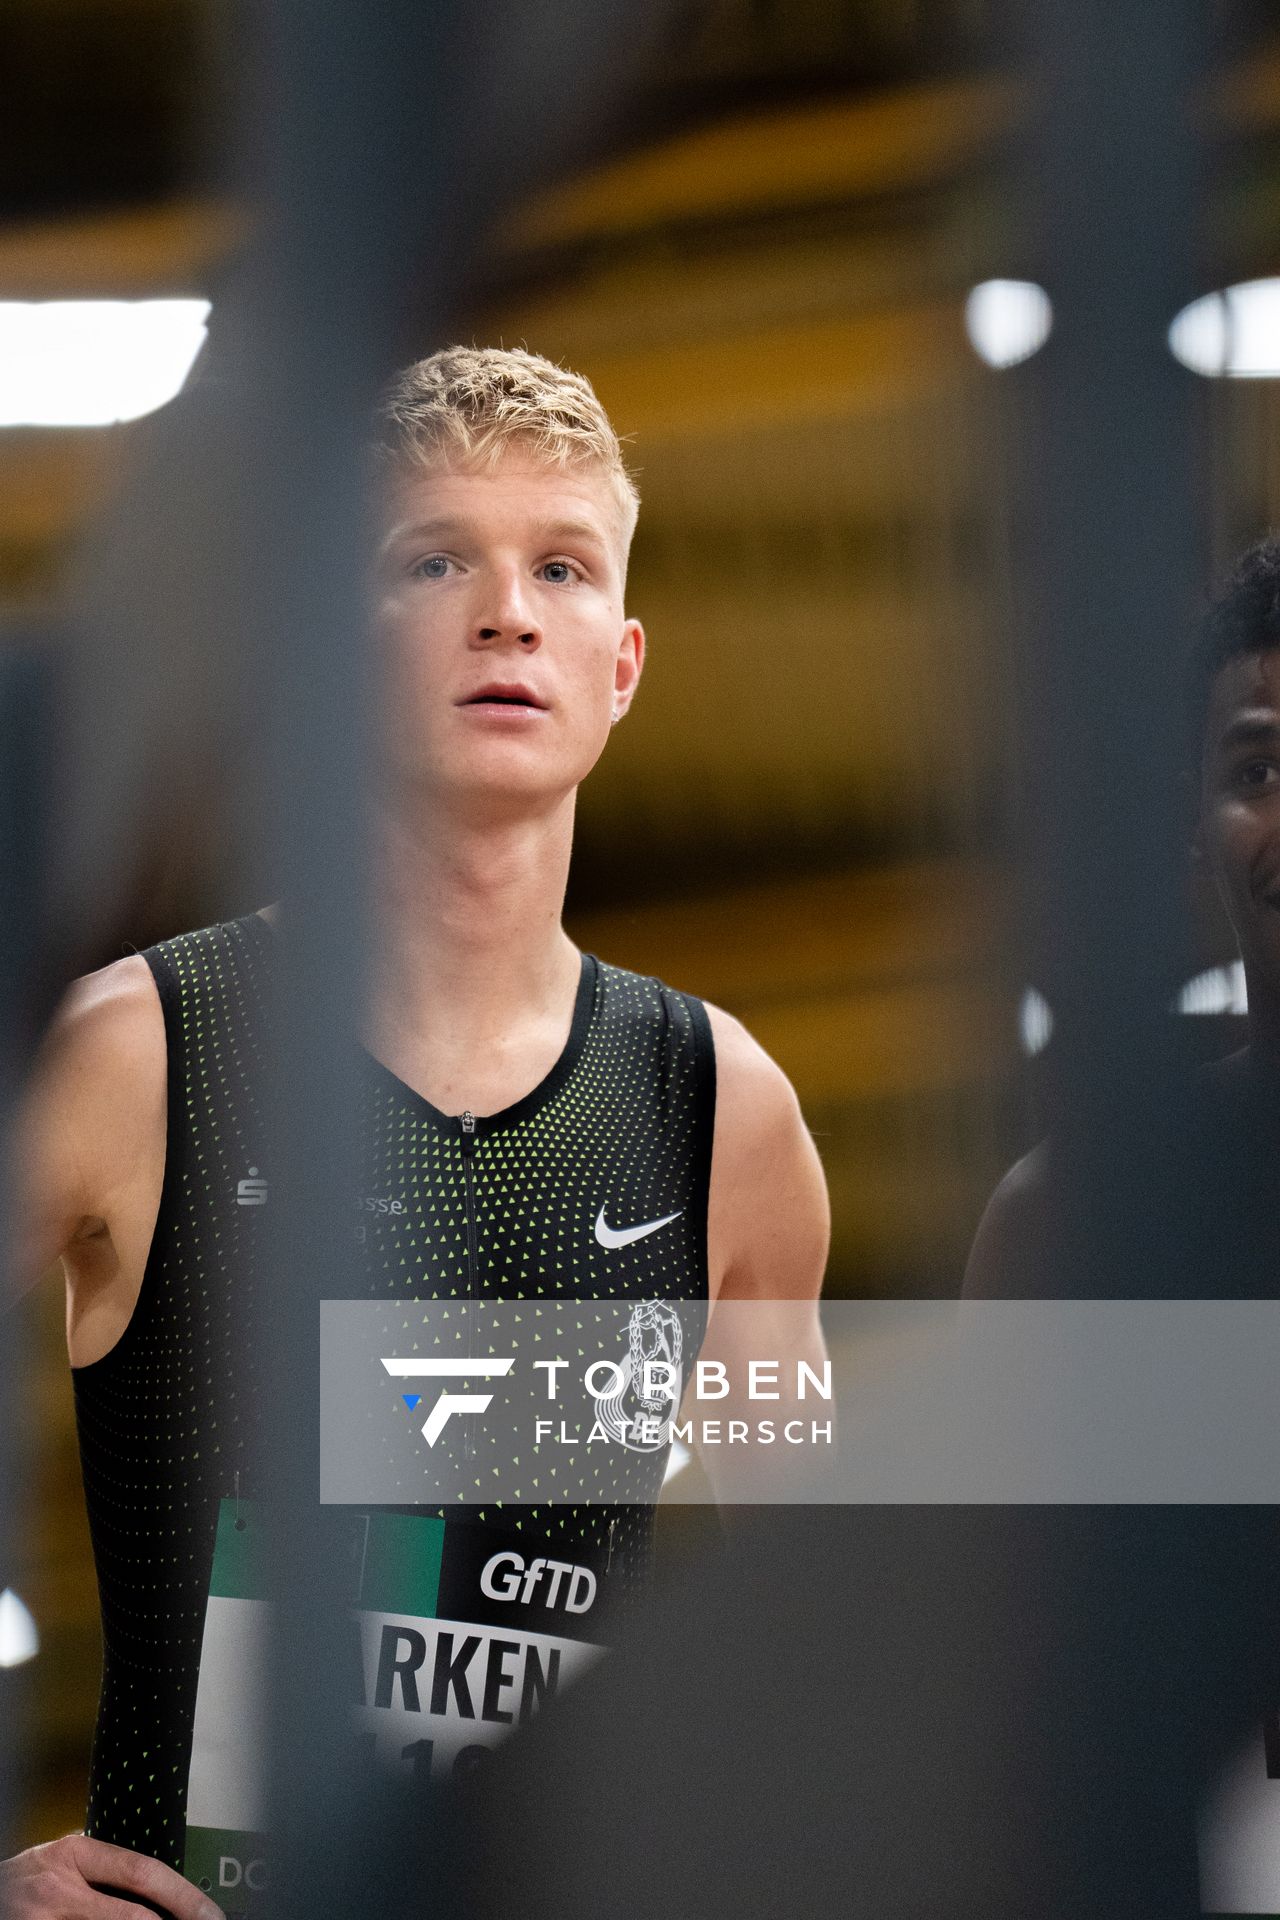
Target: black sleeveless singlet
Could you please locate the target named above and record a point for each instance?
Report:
(166, 1419)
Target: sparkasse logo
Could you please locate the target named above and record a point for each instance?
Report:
(253, 1191)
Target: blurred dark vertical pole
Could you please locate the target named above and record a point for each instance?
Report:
(26, 757)
(1109, 588)
(361, 139)
(329, 107)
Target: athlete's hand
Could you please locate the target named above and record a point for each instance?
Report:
(64, 1880)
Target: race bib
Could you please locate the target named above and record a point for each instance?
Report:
(1240, 1831)
(459, 1634)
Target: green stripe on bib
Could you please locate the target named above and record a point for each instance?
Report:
(400, 1563)
(228, 1865)
(395, 1558)
(239, 1563)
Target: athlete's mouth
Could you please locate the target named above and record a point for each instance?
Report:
(504, 694)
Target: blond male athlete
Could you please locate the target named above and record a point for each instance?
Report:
(527, 1110)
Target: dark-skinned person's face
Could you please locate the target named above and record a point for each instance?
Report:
(1239, 832)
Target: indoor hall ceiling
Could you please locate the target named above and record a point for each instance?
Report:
(106, 102)
(769, 298)
(112, 102)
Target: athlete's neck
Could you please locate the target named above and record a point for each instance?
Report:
(472, 978)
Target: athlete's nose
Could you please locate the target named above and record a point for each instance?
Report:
(505, 614)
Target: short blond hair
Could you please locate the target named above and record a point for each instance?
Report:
(468, 405)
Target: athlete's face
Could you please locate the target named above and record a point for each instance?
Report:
(506, 654)
(1240, 809)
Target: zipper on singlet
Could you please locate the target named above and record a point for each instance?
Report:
(467, 1121)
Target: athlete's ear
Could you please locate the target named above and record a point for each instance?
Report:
(627, 667)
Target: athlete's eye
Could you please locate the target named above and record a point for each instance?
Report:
(1257, 774)
(434, 567)
(558, 573)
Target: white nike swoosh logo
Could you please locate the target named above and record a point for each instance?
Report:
(623, 1236)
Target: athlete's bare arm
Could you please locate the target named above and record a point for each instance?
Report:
(770, 1221)
(769, 1229)
(89, 1151)
(89, 1145)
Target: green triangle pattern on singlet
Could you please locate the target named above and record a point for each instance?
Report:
(167, 1419)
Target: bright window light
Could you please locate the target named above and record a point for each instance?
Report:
(19, 1640)
(1219, 990)
(1236, 332)
(89, 363)
(677, 1460)
(1007, 320)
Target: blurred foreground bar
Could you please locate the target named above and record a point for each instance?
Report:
(1108, 590)
(26, 972)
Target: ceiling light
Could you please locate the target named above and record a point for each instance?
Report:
(89, 363)
(1035, 1022)
(1236, 332)
(1218, 990)
(1007, 320)
(19, 1640)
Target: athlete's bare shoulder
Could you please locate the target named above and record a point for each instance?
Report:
(1008, 1248)
(770, 1220)
(752, 1091)
(107, 1034)
(118, 996)
(91, 1124)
